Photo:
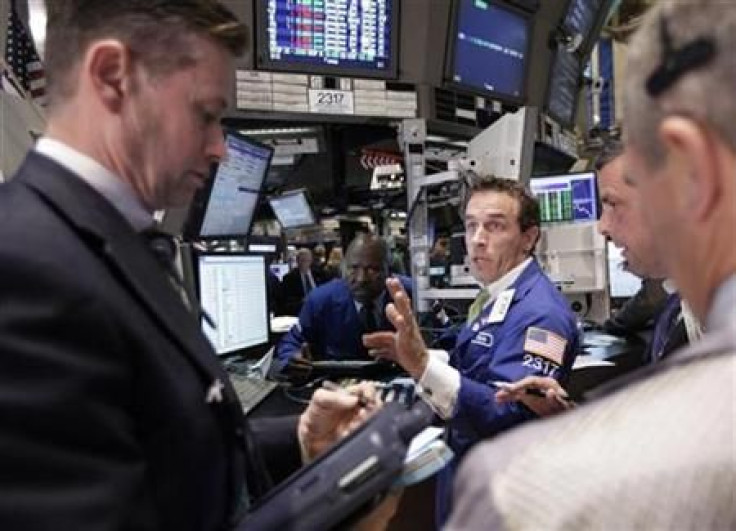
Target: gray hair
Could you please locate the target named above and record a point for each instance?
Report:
(704, 93)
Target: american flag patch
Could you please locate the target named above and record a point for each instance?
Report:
(545, 343)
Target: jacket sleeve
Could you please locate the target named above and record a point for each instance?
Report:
(302, 332)
(511, 362)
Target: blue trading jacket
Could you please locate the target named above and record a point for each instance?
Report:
(487, 352)
(330, 324)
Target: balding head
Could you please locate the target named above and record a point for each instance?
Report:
(366, 267)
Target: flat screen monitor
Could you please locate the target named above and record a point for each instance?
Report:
(225, 207)
(489, 49)
(565, 83)
(232, 290)
(571, 198)
(339, 37)
(622, 283)
(293, 209)
(582, 21)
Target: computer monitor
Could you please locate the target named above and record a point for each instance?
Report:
(339, 37)
(224, 207)
(583, 20)
(622, 284)
(293, 209)
(232, 290)
(565, 83)
(571, 198)
(488, 49)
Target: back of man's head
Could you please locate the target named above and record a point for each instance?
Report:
(701, 90)
(157, 32)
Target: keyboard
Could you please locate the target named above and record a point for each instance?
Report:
(251, 391)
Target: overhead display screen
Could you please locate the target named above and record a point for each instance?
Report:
(489, 49)
(329, 36)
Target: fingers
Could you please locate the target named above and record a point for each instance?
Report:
(402, 302)
(378, 340)
(543, 383)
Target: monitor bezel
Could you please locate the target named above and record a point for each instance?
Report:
(200, 202)
(598, 202)
(262, 61)
(310, 204)
(251, 352)
(450, 55)
(565, 123)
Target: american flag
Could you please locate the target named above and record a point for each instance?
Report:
(21, 56)
(545, 343)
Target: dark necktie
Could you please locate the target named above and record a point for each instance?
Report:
(368, 318)
(664, 326)
(307, 284)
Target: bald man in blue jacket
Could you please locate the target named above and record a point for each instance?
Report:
(337, 314)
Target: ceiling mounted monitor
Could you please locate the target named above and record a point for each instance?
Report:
(565, 83)
(582, 23)
(330, 37)
(488, 49)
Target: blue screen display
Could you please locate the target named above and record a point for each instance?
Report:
(490, 49)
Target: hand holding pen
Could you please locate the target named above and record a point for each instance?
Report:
(332, 414)
(543, 395)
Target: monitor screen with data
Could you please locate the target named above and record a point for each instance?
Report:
(293, 209)
(489, 49)
(339, 37)
(232, 290)
(225, 207)
(571, 198)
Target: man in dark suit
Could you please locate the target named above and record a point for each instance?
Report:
(115, 411)
(299, 282)
(336, 315)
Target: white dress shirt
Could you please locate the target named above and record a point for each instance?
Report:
(109, 185)
(440, 383)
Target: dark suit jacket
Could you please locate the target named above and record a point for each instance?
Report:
(330, 324)
(293, 291)
(103, 375)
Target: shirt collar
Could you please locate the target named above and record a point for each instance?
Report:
(721, 312)
(497, 287)
(109, 185)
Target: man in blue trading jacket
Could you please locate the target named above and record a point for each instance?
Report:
(519, 325)
(337, 314)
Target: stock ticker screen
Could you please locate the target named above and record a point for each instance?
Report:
(569, 198)
(330, 36)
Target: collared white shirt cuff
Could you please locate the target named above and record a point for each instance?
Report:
(439, 386)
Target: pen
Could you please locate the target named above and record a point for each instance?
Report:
(332, 386)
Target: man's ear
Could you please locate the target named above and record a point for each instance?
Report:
(109, 68)
(693, 154)
(529, 239)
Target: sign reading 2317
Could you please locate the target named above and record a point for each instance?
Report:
(331, 101)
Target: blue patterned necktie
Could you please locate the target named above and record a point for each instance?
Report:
(663, 328)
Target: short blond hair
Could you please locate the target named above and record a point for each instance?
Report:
(704, 93)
